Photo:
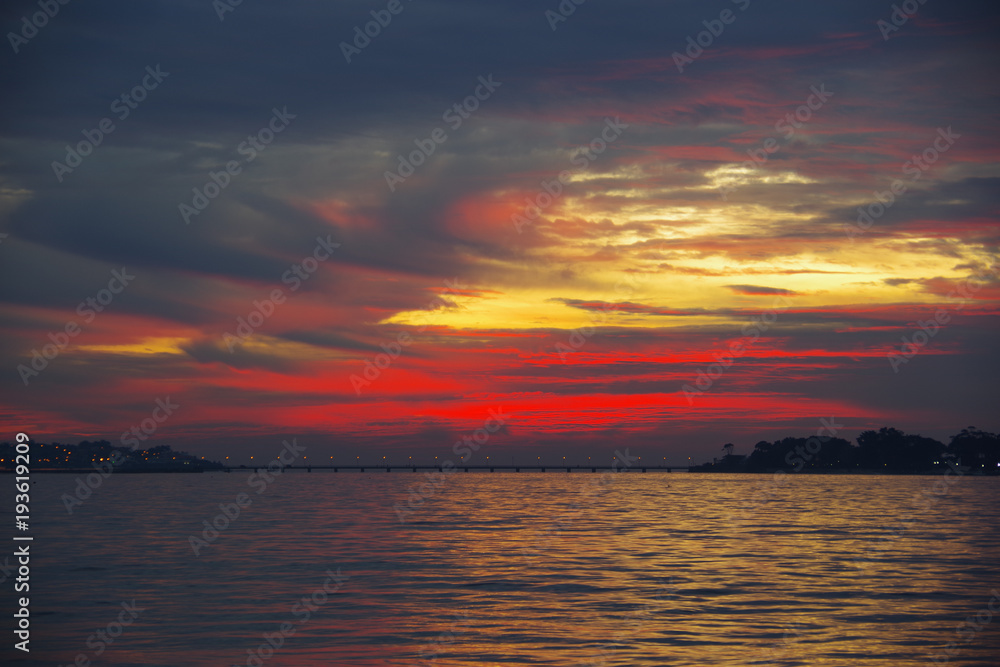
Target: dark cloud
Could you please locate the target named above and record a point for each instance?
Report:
(757, 290)
(648, 205)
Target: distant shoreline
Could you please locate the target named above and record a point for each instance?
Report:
(932, 472)
(507, 469)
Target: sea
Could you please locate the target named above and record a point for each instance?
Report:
(531, 568)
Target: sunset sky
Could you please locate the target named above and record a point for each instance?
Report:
(580, 311)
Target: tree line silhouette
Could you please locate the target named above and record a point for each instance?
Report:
(102, 453)
(885, 450)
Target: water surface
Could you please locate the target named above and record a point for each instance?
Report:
(539, 569)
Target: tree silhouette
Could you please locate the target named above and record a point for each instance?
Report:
(885, 450)
(891, 449)
(977, 449)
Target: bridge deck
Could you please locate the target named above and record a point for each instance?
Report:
(468, 468)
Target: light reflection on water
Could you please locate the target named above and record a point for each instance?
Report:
(501, 569)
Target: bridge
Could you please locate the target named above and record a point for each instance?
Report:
(535, 467)
(465, 468)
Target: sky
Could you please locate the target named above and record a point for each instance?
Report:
(574, 227)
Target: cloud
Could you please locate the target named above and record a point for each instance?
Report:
(757, 290)
(648, 205)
